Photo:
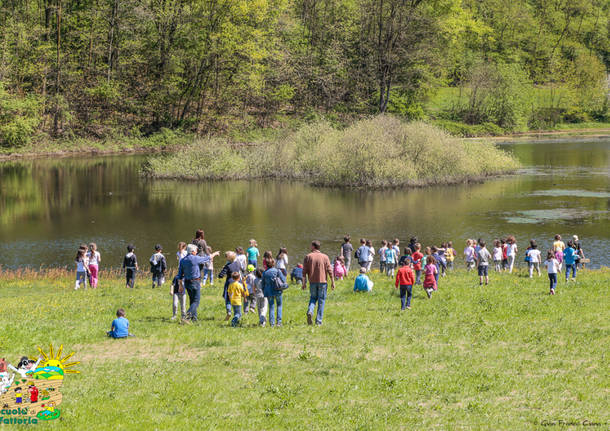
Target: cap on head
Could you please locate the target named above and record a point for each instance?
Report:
(158, 247)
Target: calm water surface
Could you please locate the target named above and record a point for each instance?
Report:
(48, 207)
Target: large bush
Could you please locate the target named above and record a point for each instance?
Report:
(19, 118)
(379, 152)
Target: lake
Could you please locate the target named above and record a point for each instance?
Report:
(49, 206)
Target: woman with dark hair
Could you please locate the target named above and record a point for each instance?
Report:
(200, 243)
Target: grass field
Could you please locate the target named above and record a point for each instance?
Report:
(507, 356)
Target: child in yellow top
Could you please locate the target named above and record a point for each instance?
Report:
(236, 291)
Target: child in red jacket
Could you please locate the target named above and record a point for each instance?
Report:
(404, 279)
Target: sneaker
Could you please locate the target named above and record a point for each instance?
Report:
(408, 307)
(278, 325)
(173, 318)
(227, 317)
(263, 324)
(309, 319)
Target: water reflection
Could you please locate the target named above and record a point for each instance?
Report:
(49, 206)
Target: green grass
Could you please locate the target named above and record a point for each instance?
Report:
(507, 356)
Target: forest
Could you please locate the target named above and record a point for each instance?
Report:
(104, 69)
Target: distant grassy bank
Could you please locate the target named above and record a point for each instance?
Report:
(503, 357)
(378, 152)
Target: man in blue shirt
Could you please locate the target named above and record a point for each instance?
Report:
(189, 271)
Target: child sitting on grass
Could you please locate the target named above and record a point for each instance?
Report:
(430, 272)
(405, 279)
(362, 282)
(120, 326)
(236, 292)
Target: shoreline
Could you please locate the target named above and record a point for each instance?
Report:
(117, 148)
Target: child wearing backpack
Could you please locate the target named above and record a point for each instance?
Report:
(158, 266)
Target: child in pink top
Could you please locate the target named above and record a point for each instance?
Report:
(430, 271)
(339, 269)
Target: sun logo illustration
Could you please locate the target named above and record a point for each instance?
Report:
(53, 366)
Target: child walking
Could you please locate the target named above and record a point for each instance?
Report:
(430, 272)
(94, 259)
(497, 255)
(178, 298)
(346, 251)
(130, 265)
(405, 280)
(511, 252)
(450, 254)
(534, 258)
(483, 258)
(281, 261)
(261, 301)
(250, 301)
(390, 261)
(253, 253)
(230, 267)
(208, 268)
(81, 268)
(469, 255)
(339, 269)
(417, 257)
(381, 251)
(181, 253)
(120, 326)
(552, 268)
(236, 292)
(158, 266)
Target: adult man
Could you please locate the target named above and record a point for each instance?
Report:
(317, 269)
(189, 271)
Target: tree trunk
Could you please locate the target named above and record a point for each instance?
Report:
(56, 121)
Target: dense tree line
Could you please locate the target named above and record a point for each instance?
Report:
(95, 67)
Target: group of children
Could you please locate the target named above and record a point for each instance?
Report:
(243, 292)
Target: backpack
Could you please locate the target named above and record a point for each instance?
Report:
(279, 284)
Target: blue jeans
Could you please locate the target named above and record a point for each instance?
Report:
(317, 293)
(272, 301)
(406, 291)
(236, 315)
(252, 262)
(573, 268)
(193, 288)
(208, 273)
(553, 280)
(418, 276)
